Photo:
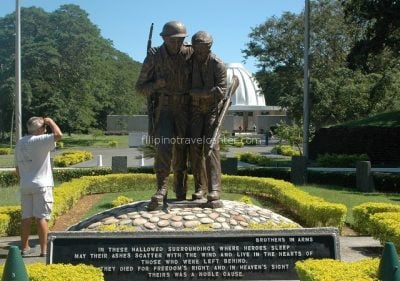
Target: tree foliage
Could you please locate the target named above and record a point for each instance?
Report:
(337, 93)
(380, 23)
(291, 133)
(69, 71)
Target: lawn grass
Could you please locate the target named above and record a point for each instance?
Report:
(388, 119)
(349, 197)
(9, 196)
(7, 161)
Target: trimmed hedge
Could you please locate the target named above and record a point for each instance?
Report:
(4, 222)
(72, 157)
(61, 272)
(336, 270)
(5, 151)
(265, 172)
(381, 144)
(13, 216)
(363, 212)
(312, 211)
(386, 227)
(345, 179)
(340, 160)
(286, 150)
(66, 174)
(384, 182)
(381, 220)
(8, 179)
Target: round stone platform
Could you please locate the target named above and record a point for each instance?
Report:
(182, 215)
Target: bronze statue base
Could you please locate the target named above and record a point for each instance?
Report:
(186, 203)
(155, 205)
(214, 204)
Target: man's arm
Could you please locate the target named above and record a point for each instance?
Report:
(54, 128)
(219, 88)
(146, 83)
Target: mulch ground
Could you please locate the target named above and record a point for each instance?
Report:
(76, 214)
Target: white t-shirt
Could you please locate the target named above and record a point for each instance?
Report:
(32, 155)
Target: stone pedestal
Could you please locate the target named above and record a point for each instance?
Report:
(298, 174)
(229, 166)
(365, 182)
(119, 164)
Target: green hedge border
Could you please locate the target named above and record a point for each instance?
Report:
(384, 182)
(328, 269)
(311, 210)
(380, 220)
(54, 272)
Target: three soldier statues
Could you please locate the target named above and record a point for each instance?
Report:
(186, 85)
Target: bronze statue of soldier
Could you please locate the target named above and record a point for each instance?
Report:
(165, 74)
(207, 92)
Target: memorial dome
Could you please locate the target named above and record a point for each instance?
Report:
(248, 96)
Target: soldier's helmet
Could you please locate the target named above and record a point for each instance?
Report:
(202, 37)
(174, 29)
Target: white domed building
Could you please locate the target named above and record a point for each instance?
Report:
(248, 109)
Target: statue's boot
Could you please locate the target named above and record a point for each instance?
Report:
(198, 194)
(160, 197)
(213, 199)
(213, 195)
(214, 183)
(200, 184)
(180, 185)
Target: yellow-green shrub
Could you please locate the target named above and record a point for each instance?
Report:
(362, 213)
(286, 150)
(113, 143)
(386, 227)
(5, 151)
(249, 157)
(60, 144)
(4, 222)
(61, 272)
(247, 200)
(271, 225)
(116, 228)
(335, 270)
(121, 200)
(14, 213)
(72, 157)
(311, 210)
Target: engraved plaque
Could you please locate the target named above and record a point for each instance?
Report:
(228, 255)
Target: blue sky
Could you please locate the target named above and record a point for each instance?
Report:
(127, 22)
